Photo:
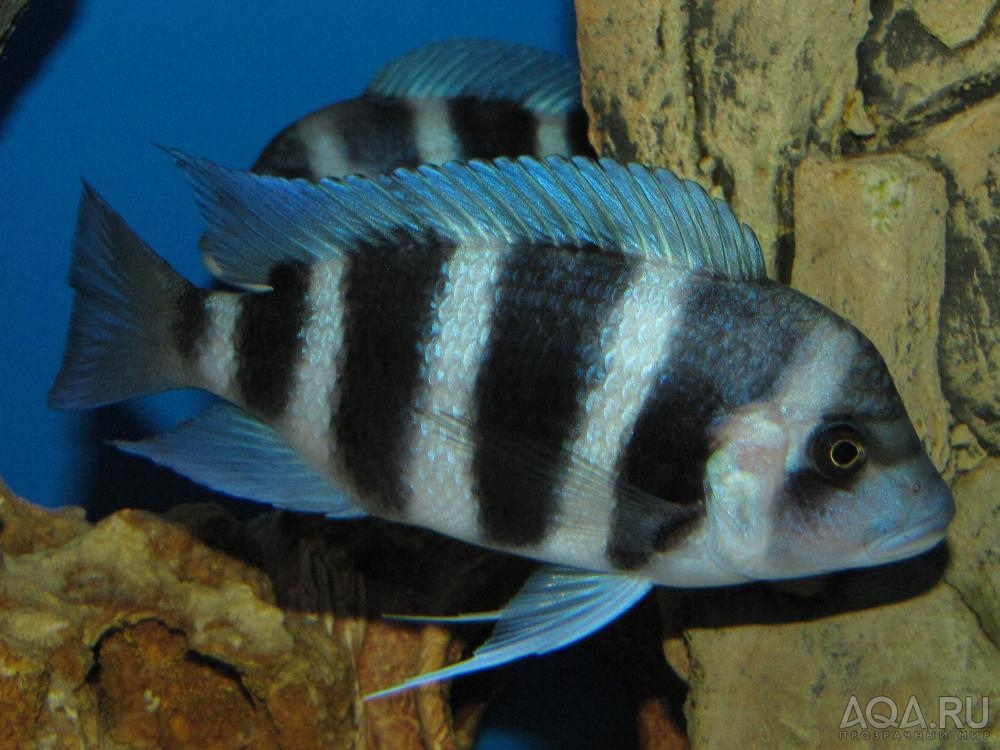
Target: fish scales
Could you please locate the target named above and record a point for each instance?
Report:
(576, 361)
(546, 336)
(268, 344)
(390, 298)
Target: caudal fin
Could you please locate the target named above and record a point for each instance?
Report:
(119, 343)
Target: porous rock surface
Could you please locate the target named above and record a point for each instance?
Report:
(861, 141)
(200, 631)
(197, 630)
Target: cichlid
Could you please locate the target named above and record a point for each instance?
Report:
(458, 99)
(574, 361)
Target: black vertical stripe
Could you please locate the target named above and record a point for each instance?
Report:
(378, 133)
(287, 155)
(577, 135)
(733, 342)
(391, 294)
(543, 355)
(489, 129)
(269, 339)
(190, 321)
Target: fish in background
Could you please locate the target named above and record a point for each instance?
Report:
(574, 361)
(458, 99)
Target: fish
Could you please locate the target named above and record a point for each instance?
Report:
(451, 100)
(575, 361)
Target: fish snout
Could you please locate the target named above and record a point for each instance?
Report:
(929, 508)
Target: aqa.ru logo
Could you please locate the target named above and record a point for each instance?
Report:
(881, 713)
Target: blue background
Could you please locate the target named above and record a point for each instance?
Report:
(86, 88)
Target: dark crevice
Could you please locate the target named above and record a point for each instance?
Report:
(697, 18)
(944, 105)
(898, 40)
(226, 671)
(784, 255)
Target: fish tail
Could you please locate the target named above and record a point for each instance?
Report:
(121, 340)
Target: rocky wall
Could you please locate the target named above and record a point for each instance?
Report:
(861, 141)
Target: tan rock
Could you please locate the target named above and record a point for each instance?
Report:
(789, 685)
(954, 24)
(873, 228)
(771, 669)
(910, 74)
(966, 149)
(202, 631)
(737, 87)
(133, 633)
(634, 72)
(883, 239)
(975, 569)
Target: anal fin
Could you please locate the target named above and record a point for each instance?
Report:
(557, 606)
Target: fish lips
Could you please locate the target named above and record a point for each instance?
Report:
(917, 533)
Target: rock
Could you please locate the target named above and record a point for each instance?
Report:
(892, 219)
(739, 88)
(914, 68)
(789, 684)
(9, 11)
(636, 87)
(953, 24)
(975, 569)
(873, 228)
(768, 669)
(198, 630)
(966, 150)
(134, 633)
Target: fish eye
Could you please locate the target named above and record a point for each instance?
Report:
(837, 451)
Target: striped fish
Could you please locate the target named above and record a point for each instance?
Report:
(458, 99)
(574, 361)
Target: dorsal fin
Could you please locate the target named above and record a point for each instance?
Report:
(255, 221)
(486, 69)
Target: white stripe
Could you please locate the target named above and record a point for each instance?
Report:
(439, 469)
(638, 333)
(433, 135)
(307, 418)
(550, 135)
(217, 365)
(325, 149)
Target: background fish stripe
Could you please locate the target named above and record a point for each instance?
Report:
(268, 341)
(286, 155)
(378, 133)
(391, 293)
(577, 127)
(489, 129)
(436, 140)
(544, 354)
(752, 329)
(190, 322)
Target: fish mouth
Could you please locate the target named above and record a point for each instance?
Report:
(912, 540)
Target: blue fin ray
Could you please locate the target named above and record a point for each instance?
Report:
(557, 606)
(485, 69)
(255, 221)
(228, 450)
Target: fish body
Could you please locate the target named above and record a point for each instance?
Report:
(574, 361)
(457, 99)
